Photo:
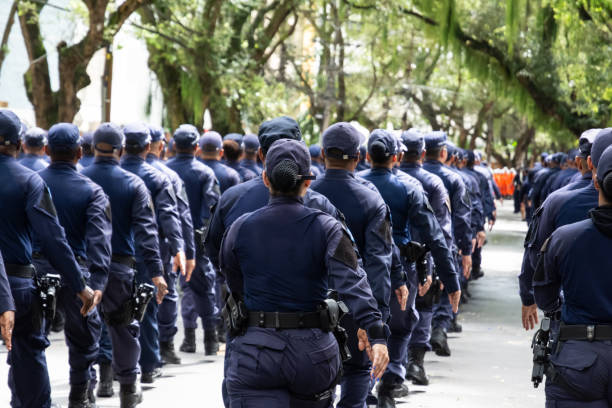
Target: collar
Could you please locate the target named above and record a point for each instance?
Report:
(433, 162)
(339, 174)
(62, 165)
(151, 158)
(285, 200)
(381, 170)
(406, 165)
(184, 156)
(107, 160)
(132, 158)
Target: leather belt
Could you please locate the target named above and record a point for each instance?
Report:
(278, 320)
(595, 332)
(80, 260)
(126, 260)
(20, 271)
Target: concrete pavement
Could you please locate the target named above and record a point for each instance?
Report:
(490, 363)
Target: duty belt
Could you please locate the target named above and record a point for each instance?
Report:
(126, 260)
(595, 332)
(80, 260)
(278, 320)
(20, 271)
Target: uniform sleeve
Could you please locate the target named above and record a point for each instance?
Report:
(43, 219)
(476, 215)
(547, 278)
(6, 298)
(487, 196)
(398, 275)
(461, 218)
(146, 237)
(377, 256)
(184, 213)
(422, 218)
(351, 282)
(98, 233)
(228, 261)
(167, 214)
(210, 194)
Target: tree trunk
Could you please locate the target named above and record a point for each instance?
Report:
(7, 32)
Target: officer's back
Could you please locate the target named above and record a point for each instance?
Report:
(210, 153)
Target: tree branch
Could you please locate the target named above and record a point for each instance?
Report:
(7, 31)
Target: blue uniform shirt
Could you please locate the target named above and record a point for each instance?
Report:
(476, 201)
(245, 174)
(251, 165)
(33, 162)
(6, 298)
(134, 226)
(577, 260)
(26, 208)
(226, 176)
(84, 212)
(370, 224)
(86, 161)
(576, 183)
(164, 200)
(460, 207)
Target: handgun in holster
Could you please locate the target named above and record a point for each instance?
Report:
(142, 295)
(47, 293)
(542, 345)
(332, 310)
(416, 252)
(235, 315)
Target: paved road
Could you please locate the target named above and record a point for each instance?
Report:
(490, 365)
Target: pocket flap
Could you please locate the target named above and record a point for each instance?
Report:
(326, 353)
(575, 356)
(261, 338)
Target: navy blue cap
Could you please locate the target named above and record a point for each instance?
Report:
(585, 143)
(344, 137)
(157, 133)
(470, 156)
(572, 153)
(111, 134)
(236, 137)
(460, 153)
(64, 135)
(35, 137)
(401, 147)
(605, 163)
(137, 134)
(557, 157)
(282, 127)
(291, 150)
(362, 151)
(315, 150)
(450, 147)
(251, 142)
(381, 136)
(186, 136)
(211, 142)
(86, 139)
(602, 141)
(435, 140)
(414, 141)
(543, 155)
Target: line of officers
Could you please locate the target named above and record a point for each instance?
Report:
(566, 272)
(316, 243)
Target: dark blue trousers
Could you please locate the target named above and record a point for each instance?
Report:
(150, 357)
(421, 332)
(476, 257)
(202, 287)
(124, 339)
(105, 352)
(355, 383)
(442, 313)
(586, 378)
(271, 368)
(28, 378)
(189, 312)
(167, 311)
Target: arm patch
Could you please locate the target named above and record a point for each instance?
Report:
(539, 275)
(345, 252)
(108, 212)
(46, 203)
(385, 228)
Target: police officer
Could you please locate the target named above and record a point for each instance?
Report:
(167, 313)
(363, 164)
(84, 211)
(435, 155)
(254, 194)
(570, 170)
(538, 191)
(7, 308)
(409, 211)
(370, 224)
(576, 260)
(315, 157)
(26, 206)
(210, 153)
(294, 362)
(88, 153)
(203, 193)
(584, 176)
(134, 232)
(559, 209)
(137, 146)
(251, 147)
(233, 146)
(34, 142)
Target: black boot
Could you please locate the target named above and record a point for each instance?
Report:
(211, 342)
(455, 327)
(78, 396)
(129, 395)
(477, 273)
(150, 376)
(439, 343)
(189, 343)
(390, 388)
(415, 371)
(91, 395)
(168, 355)
(105, 386)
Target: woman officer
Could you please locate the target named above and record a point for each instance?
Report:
(281, 260)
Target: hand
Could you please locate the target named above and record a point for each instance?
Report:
(480, 238)
(424, 288)
(189, 267)
(473, 244)
(454, 298)
(466, 261)
(87, 297)
(179, 262)
(162, 288)
(491, 223)
(402, 296)
(378, 354)
(529, 316)
(7, 322)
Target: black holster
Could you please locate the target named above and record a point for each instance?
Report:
(332, 311)
(235, 315)
(417, 253)
(133, 308)
(46, 287)
(542, 350)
